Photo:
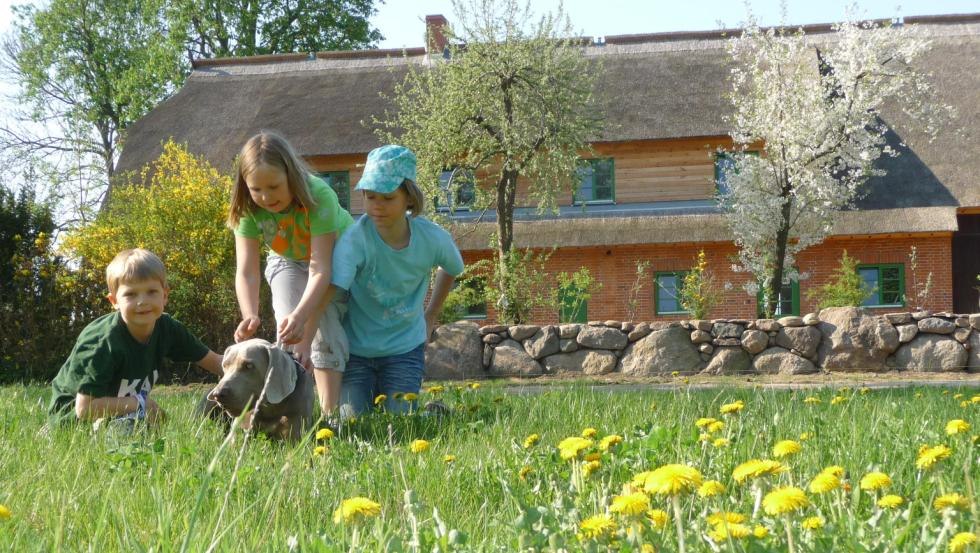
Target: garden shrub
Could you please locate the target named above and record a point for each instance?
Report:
(699, 293)
(845, 289)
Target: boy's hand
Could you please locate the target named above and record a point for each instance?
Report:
(153, 412)
(430, 325)
(246, 329)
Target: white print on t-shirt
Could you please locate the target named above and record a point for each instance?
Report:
(134, 387)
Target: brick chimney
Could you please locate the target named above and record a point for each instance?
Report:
(435, 34)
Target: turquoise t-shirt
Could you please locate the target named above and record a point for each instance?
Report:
(288, 233)
(387, 287)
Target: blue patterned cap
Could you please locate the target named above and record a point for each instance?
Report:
(386, 168)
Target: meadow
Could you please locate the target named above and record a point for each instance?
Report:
(574, 468)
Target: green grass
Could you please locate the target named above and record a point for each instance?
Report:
(74, 489)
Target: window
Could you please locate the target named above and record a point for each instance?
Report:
(457, 190)
(340, 182)
(667, 293)
(788, 302)
(598, 182)
(473, 291)
(724, 164)
(571, 307)
(886, 284)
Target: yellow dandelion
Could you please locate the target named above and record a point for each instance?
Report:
(865, 390)
(725, 531)
(807, 436)
(953, 501)
(647, 548)
(672, 480)
(964, 404)
(704, 421)
(418, 446)
(813, 523)
(838, 399)
(721, 442)
(356, 509)
(640, 479)
(593, 457)
(436, 390)
(836, 470)
(722, 517)
(785, 448)
(711, 488)
(449, 458)
(658, 517)
(704, 437)
(732, 408)
(875, 481)
(957, 396)
(757, 468)
(634, 504)
(589, 467)
(596, 527)
(929, 456)
(4, 512)
(784, 500)
(957, 426)
(610, 441)
(961, 541)
(525, 472)
(824, 482)
(381, 398)
(474, 385)
(589, 433)
(319, 451)
(675, 373)
(975, 399)
(810, 400)
(324, 434)
(410, 396)
(890, 501)
(760, 531)
(531, 441)
(571, 448)
(716, 426)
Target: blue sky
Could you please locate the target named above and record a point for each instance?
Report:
(402, 21)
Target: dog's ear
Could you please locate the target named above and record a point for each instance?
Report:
(282, 375)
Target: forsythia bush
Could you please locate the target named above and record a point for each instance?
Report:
(699, 294)
(179, 215)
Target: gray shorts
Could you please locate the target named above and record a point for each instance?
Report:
(287, 278)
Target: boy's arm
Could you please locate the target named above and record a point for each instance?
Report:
(444, 283)
(211, 363)
(90, 408)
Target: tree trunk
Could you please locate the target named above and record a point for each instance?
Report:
(782, 239)
(506, 192)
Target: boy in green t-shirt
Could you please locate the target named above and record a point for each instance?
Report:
(117, 357)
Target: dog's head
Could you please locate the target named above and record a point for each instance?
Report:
(247, 365)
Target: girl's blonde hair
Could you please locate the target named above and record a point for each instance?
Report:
(416, 200)
(267, 148)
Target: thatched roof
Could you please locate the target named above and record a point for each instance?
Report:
(659, 86)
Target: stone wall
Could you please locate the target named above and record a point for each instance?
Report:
(837, 339)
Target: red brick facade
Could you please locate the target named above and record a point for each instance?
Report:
(615, 268)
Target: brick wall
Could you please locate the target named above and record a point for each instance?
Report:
(615, 268)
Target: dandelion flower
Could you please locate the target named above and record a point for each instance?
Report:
(951, 501)
(589, 433)
(961, 541)
(725, 531)
(807, 436)
(4, 512)
(721, 442)
(634, 504)
(418, 446)
(474, 385)
(525, 472)
(531, 441)
(711, 488)
(957, 426)
(890, 501)
(757, 468)
(838, 399)
(381, 398)
(324, 434)
(760, 531)
(957, 396)
(716, 426)
(704, 437)
(436, 390)
(975, 399)
(875, 481)
(811, 400)
(596, 527)
(672, 480)
(658, 517)
(319, 451)
(410, 396)
(571, 448)
(732, 408)
(449, 458)
(785, 448)
(824, 482)
(864, 390)
(610, 441)
(593, 457)
(675, 373)
(836, 470)
(704, 421)
(356, 509)
(928, 456)
(784, 500)
(724, 516)
(589, 467)
(813, 523)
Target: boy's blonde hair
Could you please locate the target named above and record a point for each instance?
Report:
(267, 148)
(135, 265)
(416, 199)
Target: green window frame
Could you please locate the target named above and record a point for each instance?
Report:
(570, 310)
(886, 282)
(597, 182)
(457, 190)
(667, 292)
(340, 182)
(788, 303)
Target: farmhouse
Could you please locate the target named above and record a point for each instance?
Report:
(649, 193)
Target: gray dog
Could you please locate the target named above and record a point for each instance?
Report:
(287, 406)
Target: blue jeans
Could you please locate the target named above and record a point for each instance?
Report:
(368, 377)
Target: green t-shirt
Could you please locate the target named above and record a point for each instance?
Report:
(108, 362)
(288, 233)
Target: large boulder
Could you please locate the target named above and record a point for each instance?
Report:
(854, 340)
(727, 330)
(803, 339)
(781, 361)
(590, 362)
(522, 332)
(930, 353)
(935, 325)
(543, 343)
(599, 337)
(661, 352)
(455, 352)
(754, 341)
(729, 360)
(510, 359)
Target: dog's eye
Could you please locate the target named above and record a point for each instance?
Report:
(249, 365)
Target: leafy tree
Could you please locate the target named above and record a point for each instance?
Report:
(513, 101)
(846, 289)
(699, 292)
(816, 110)
(223, 28)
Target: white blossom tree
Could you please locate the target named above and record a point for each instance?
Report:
(812, 105)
